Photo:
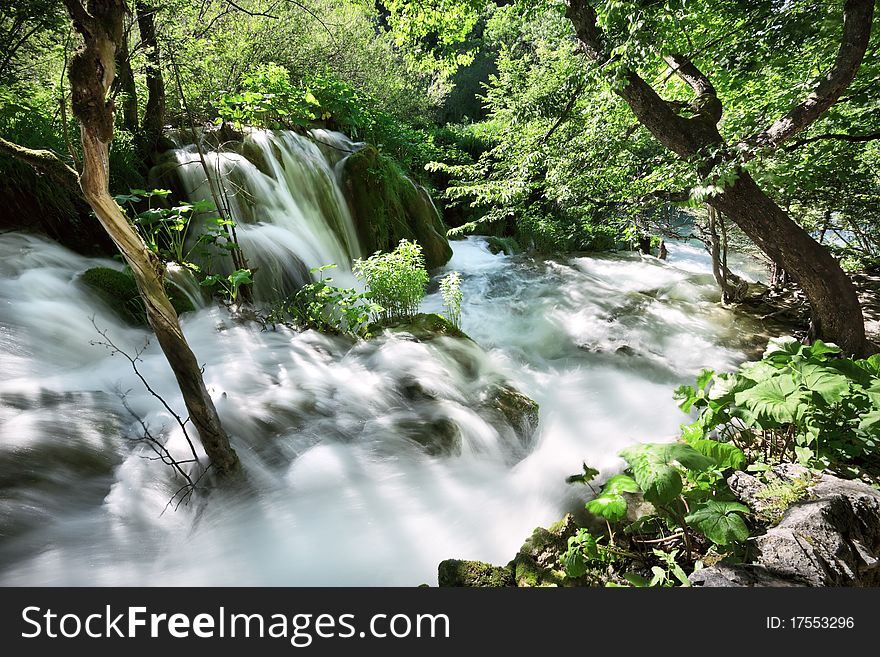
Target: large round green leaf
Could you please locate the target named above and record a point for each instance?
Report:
(776, 398)
(720, 522)
(825, 381)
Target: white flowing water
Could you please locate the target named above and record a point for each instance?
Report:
(324, 427)
(286, 199)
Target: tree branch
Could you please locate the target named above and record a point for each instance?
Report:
(854, 139)
(857, 17)
(45, 162)
(681, 135)
(706, 102)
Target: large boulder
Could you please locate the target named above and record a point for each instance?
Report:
(387, 207)
(832, 538)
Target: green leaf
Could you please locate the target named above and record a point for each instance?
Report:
(869, 420)
(583, 478)
(724, 455)
(824, 381)
(776, 398)
(610, 506)
(653, 467)
(819, 349)
(783, 349)
(620, 484)
(636, 580)
(704, 377)
(241, 277)
(720, 522)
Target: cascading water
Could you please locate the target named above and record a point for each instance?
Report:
(328, 429)
(283, 191)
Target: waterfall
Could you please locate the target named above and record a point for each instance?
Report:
(283, 191)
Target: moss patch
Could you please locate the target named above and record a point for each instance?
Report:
(119, 291)
(453, 572)
(423, 327)
(387, 207)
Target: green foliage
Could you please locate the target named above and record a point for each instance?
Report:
(585, 551)
(228, 287)
(450, 290)
(166, 232)
(610, 504)
(800, 403)
(396, 280)
(323, 307)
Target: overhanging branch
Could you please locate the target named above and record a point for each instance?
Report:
(857, 17)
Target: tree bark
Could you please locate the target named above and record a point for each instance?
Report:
(154, 114)
(92, 70)
(832, 296)
(125, 81)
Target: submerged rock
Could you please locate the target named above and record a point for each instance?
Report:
(519, 411)
(387, 207)
(422, 327)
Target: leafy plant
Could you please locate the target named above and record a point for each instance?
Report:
(799, 403)
(450, 290)
(323, 307)
(396, 280)
(229, 285)
(585, 551)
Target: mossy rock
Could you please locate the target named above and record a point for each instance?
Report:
(515, 408)
(454, 572)
(505, 245)
(387, 207)
(438, 437)
(118, 290)
(422, 327)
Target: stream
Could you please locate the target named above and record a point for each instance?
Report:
(324, 426)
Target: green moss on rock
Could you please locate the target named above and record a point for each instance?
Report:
(518, 410)
(453, 572)
(422, 327)
(505, 245)
(388, 207)
(118, 290)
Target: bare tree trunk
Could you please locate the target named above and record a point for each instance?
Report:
(92, 69)
(154, 114)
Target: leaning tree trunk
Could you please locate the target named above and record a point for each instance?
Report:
(833, 299)
(92, 70)
(832, 296)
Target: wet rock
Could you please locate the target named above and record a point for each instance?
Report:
(514, 408)
(118, 290)
(388, 207)
(453, 572)
(537, 562)
(832, 539)
(422, 327)
(505, 245)
(439, 437)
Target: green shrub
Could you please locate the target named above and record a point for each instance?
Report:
(326, 308)
(396, 280)
(799, 403)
